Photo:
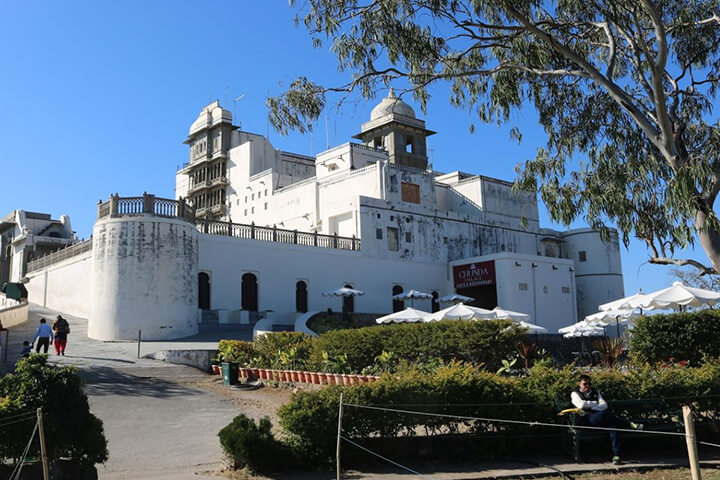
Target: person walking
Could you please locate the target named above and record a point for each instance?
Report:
(61, 328)
(44, 336)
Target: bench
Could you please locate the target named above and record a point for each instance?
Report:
(654, 413)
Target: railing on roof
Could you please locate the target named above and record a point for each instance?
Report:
(59, 255)
(274, 234)
(146, 205)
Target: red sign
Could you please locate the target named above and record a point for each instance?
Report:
(474, 274)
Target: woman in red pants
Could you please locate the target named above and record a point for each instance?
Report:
(61, 328)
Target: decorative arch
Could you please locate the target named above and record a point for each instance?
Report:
(348, 302)
(249, 292)
(301, 297)
(397, 305)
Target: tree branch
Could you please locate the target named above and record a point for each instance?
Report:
(704, 270)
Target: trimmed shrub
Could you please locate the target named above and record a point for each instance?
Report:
(236, 351)
(310, 418)
(270, 346)
(485, 342)
(252, 445)
(71, 431)
(691, 336)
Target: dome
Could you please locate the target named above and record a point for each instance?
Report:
(210, 116)
(391, 105)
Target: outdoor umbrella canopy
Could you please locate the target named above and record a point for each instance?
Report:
(461, 312)
(16, 291)
(502, 314)
(627, 303)
(455, 297)
(408, 315)
(531, 327)
(679, 295)
(412, 295)
(582, 329)
(343, 292)
(609, 317)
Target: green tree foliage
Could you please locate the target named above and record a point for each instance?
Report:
(624, 91)
(689, 336)
(70, 429)
(252, 445)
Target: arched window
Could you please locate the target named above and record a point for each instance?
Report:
(301, 297)
(397, 304)
(249, 292)
(203, 291)
(435, 304)
(348, 302)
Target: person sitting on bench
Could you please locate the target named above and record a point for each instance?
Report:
(594, 411)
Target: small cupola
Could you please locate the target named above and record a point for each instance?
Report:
(393, 127)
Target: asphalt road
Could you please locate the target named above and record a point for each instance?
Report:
(157, 422)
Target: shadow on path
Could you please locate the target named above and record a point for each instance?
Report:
(110, 381)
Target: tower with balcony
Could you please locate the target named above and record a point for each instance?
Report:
(394, 128)
(206, 171)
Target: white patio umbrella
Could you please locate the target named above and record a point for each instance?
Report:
(581, 329)
(627, 303)
(412, 295)
(608, 317)
(455, 297)
(409, 315)
(502, 314)
(461, 312)
(678, 296)
(343, 292)
(531, 327)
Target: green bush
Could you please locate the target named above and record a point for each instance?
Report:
(689, 336)
(236, 351)
(310, 418)
(70, 429)
(270, 346)
(486, 342)
(252, 445)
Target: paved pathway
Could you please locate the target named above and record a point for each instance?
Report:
(158, 423)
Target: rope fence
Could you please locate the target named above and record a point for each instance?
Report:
(529, 423)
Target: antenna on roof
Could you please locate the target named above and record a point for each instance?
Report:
(327, 134)
(235, 100)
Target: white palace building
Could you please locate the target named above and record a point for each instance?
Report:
(255, 233)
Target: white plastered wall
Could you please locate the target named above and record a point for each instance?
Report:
(64, 287)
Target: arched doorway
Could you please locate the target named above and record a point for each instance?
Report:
(435, 304)
(348, 302)
(398, 305)
(249, 292)
(203, 291)
(301, 297)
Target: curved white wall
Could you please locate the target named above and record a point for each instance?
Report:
(144, 278)
(599, 277)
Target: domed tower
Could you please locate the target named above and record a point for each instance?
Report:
(393, 127)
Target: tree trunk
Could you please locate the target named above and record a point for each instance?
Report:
(709, 239)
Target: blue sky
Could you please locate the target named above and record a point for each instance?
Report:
(97, 98)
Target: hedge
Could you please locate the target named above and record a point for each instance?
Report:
(310, 418)
(480, 343)
(691, 336)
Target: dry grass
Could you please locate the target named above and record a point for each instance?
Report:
(663, 474)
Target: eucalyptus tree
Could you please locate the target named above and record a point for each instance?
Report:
(624, 91)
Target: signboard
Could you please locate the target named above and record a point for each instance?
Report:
(474, 274)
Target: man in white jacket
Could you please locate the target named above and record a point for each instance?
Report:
(594, 412)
